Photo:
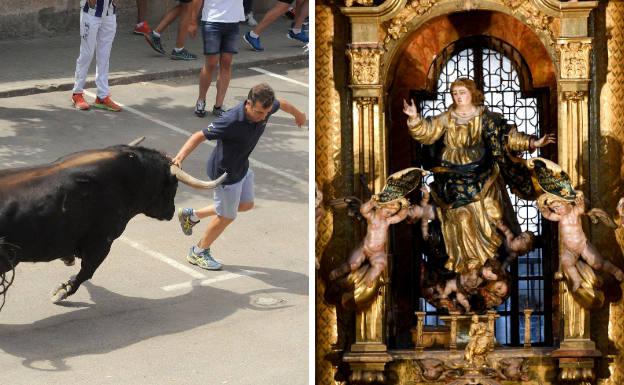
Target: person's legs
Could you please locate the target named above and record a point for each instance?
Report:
(230, 38)
(185, 15)
(296, 32)
(89, 26)
(205, 75)
(141, 27)
(169, 17)
(274, 13)
(301, 12)
(153, 37)
(141, 10)
(105, 37)
(225, 75)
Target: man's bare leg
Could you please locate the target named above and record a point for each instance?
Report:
(225, 75)
(205, 76)
(215, 228)
(169, 17)
(274, 13)
(185, 15)
(141, 10)
(301, 12)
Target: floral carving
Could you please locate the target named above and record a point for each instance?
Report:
(575, 59)
(365, 63)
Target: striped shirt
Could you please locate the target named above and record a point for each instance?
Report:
(102, 7)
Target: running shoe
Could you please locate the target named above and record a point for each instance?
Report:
(253, 42)
(106, 104)
(184, 216)
(218, 111)
(183, 54)
(204, 259)
(79, 102)
(200, 108)
(301, 36)
(154, 42)
(142, 28)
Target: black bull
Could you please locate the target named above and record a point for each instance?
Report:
(78, 205)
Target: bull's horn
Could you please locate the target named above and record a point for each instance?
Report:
(194, 182)
(136, 141)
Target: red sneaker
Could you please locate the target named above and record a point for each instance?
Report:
(79, 102)
(106, 104)
(142, 28)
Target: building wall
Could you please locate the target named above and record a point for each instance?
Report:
(38, 18)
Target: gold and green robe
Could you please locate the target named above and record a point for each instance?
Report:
(475, 161)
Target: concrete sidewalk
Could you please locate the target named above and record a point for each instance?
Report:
(48, 64)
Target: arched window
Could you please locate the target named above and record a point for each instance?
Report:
(499, 70)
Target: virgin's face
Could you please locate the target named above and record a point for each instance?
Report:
(461, 96)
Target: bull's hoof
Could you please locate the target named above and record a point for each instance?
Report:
(60, 293)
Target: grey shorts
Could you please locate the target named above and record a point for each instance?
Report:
(228, 197)
(220, 37)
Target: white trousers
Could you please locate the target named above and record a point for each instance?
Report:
(96, 35)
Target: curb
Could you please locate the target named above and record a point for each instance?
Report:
(123, 80)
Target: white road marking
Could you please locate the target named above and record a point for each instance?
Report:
(263, 71)
(162, 257)
(208, 282)
(255, 163)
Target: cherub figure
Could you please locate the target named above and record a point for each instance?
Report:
(515, 245)
(494, 293)
(573, 239)
(463, 285)
(424, 212)
(450, 287)
(476, 274)
(379, 216)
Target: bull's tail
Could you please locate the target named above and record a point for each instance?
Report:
(7, 268)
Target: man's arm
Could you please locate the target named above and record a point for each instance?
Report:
(188, 147)
(300, 117)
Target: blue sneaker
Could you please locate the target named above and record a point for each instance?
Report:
(301, 36)
(203, 260)
(253, 42)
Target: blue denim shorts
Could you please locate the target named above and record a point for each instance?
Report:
(228, 197)
(220, 37)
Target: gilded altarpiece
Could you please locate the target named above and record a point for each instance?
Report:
(369, 56)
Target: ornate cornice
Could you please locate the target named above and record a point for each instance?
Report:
(397, 26)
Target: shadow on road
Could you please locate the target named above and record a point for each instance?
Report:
(116, 321)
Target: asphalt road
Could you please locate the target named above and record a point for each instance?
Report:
(147, 316)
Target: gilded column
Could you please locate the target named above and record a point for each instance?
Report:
(328, 164)
(368, 354)
(369, 142)
(576, 351)
(612, 127)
